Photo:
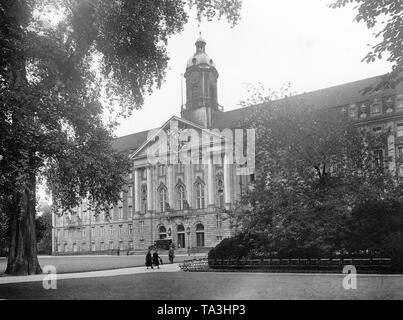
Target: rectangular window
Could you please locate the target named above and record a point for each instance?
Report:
(120, 230)
(111, 231)
(200, 239)
(378, 157)
(400, 130)
(130, 229)
(102, 246)
(102, 231)
(130, 212)
(120, 213)
(93, 231)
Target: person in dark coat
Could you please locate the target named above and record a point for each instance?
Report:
(149, 261)
(156, 259)
(171, 253)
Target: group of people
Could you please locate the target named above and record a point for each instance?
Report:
(154, 260)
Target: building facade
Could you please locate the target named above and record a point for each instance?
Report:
(192, 203)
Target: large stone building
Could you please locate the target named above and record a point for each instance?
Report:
(190, 203)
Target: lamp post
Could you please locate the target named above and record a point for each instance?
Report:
(188, 233)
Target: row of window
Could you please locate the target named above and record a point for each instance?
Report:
(399, 129)
(102, 246)
(375, 108)
(95, 231)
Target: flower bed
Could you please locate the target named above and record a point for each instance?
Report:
(195, 265)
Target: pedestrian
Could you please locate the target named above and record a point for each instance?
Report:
(149, 261)
(156, 259)
(171, 253)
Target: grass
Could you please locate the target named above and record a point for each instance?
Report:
(69, 264)
(210, 285)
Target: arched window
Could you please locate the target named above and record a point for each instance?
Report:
(200, 195)
(163, 232)
(180, 196)
(180, 231)
(144, 198)
(162, 194)
(195, 92)
(199, 235)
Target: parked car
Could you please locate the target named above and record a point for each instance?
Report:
(162, 244)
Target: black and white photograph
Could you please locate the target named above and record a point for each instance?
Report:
(201, 154)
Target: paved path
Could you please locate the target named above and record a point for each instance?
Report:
(92, 274)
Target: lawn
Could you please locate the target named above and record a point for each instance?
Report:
(206, 286)
(68, 264)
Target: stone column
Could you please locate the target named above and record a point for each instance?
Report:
(171, 185)
(136, 191)
(150, 190)
(210, 182)
(227, 180)
(188, 182)
(53, 231)
(391, 148)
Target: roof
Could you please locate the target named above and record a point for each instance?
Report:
(336, 96)
(130, 142)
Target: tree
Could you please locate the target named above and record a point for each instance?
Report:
(313, 167)
(59, 77)
(387, 16)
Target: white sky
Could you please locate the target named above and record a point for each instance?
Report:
(302, 42)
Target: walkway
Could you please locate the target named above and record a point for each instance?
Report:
(92, 274)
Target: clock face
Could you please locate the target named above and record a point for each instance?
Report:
(194, 77)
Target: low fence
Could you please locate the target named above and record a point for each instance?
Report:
(323, 265)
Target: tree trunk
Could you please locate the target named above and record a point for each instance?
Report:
(22, 257)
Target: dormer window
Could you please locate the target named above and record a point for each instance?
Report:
(363, 111)
(376, 107)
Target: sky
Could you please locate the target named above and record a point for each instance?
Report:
(304, 43)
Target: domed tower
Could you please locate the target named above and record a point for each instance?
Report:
(201, 87)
